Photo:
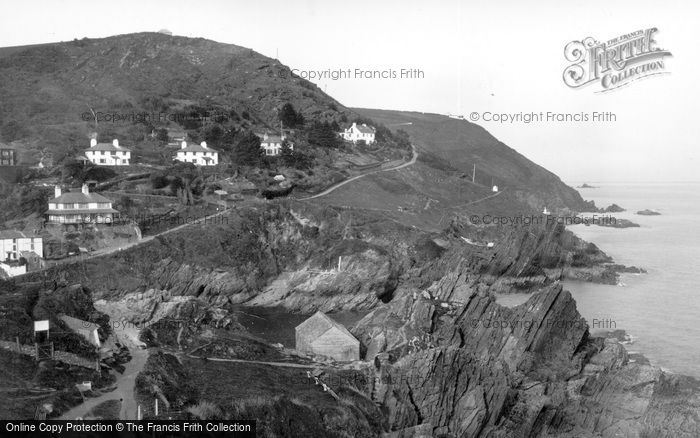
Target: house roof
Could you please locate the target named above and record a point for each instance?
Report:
(11, 234)
(79, 198)
(107, 147)
(82, 210)
(318, 324)
(271, 139)
(365, 129)
(196, 148)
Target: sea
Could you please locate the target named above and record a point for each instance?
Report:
(659, 310)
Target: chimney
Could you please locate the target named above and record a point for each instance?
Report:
(115, 142)
(183, 145)
(93, 142)
(57, 191)
(203, 144)
(85, 189)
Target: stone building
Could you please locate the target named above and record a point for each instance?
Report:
(322, 336)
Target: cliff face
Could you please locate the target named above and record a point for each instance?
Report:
(449, 361)
(303, 258)
(451, 358)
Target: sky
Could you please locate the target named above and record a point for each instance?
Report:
(482, 57)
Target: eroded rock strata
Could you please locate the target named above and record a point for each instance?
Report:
(452, 360)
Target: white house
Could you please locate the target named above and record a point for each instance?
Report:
(272, 144)
(357, 132)
(198, 154)
(80, 207)
(108, 154)
(14, 243)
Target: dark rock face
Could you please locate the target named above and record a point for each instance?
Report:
(450, 358)
(617, 223)
(648, 212)
(614, 208)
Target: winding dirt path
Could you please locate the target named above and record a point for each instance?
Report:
(331, 189)
(125, 384)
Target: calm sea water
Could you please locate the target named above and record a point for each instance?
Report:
(661, 309)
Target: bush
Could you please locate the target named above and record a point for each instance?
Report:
(205, 410)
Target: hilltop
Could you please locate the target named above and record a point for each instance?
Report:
(46, 89)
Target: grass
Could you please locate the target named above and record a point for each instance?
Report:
(459, 145)
(204, 410)
(107, 410)
(282, 400)
(24, 385)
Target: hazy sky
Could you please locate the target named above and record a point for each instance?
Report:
(476, 56)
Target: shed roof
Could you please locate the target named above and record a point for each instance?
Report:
(318, 324)
(11, 234)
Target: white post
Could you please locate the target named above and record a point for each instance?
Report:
(156, 406)
(138, 413)
(340, 259)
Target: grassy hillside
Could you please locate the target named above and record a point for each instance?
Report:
(51, 91)
(461, 145)
(46, 89)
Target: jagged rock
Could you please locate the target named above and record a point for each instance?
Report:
(530, 370)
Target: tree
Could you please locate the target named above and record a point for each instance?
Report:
(98, 173)
(162, 135)
(247, 151)
(323, 135)
(214, 134)
(290, 117)
(159, 181)
(73, 170)
(32, 200)
(188, 182)
(403, 139)
(296, 159)
(287, 154)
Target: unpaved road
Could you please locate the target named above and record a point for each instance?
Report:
(331, 189)
(125, 383)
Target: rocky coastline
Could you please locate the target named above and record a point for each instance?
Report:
(444, 358)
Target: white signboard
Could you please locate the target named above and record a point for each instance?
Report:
(41, 326)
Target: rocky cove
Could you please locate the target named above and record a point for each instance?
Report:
(444, 358)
